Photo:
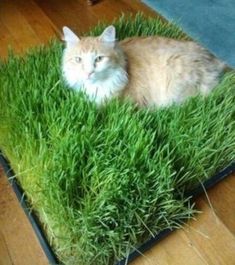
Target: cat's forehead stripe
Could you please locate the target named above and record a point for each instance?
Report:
(89, 44)
(92, 45)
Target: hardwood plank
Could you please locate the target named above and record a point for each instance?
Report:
(23, 25)
(220, 244)
(81, 17)
(22, 35)
(223, 200)
(39, 22)
(5, 258)
(18, 242)
(27, 24)
(76, 15)
(6, 40)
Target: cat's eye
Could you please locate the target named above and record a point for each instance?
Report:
(99, 59)
(78, 59)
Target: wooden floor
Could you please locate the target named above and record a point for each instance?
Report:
(24, 24)
(18, 243)
(208, 240)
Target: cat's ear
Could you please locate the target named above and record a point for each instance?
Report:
(69, 37)
(109, 35)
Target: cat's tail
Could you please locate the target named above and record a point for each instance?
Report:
(216, 69)
(221, 66)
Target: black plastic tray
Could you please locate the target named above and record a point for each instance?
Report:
(144, 247)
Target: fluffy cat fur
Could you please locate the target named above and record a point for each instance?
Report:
(152, 71)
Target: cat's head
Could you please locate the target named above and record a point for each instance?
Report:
(91, 59)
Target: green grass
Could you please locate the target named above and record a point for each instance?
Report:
(103, 180)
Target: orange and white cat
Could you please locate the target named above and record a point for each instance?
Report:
(152, 71)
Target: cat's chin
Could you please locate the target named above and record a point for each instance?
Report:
(101, 90)
(89, 81)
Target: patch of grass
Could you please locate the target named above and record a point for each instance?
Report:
(103, 180)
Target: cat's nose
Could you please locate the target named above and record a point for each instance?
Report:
(89, 74)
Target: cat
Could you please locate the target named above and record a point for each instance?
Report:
(151, 71)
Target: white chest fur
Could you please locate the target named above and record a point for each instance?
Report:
(100, 90)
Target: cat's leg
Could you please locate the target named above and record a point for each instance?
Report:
(177, 91)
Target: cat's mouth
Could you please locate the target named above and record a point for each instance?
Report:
(89, 75)
(89, 79)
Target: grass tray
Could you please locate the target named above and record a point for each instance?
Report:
(141, 249)
(102, 181)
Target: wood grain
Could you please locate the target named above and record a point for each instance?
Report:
(24, 24)
(81, 17)
(18, 242)
(207, 240)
